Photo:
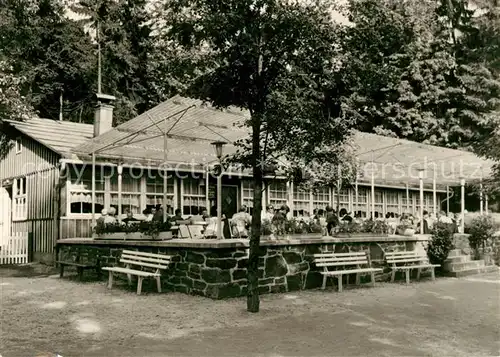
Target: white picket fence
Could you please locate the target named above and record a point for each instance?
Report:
(14, 249)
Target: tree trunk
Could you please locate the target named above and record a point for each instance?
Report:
(253, 301)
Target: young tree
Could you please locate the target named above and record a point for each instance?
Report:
(276, 59)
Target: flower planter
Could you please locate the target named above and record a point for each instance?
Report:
(358, 235)
(165, 235)
(110, 236)
(408, 232)
(134, 236)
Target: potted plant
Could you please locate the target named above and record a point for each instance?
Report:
(109, 231)
(366, 228)
(481, 231)
(132, 232)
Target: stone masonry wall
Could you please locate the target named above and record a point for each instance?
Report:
(221, 273)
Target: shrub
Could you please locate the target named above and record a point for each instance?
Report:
(440, 244)
(481, 230)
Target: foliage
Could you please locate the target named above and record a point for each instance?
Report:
(407, 80)
(367, 226)
(12, 104)
(277, 60)
(152, 228)
(440, 244)
(481, 229)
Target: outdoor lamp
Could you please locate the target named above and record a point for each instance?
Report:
(218, 145)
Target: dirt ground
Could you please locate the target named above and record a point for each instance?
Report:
(449, 317)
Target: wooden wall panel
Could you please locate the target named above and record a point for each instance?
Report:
(34, 157)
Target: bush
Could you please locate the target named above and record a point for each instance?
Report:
(481, 231)
(440, 244)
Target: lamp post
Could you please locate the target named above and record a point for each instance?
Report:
(218, 145)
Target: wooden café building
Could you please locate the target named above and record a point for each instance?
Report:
(58, 175)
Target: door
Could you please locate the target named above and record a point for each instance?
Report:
(229, 200)
(5, 215)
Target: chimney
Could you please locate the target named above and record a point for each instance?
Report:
(103, 120)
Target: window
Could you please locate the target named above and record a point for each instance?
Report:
(131, 191)
(360, 207)
(19, 145)
(392, 204)
(407, 204)
(277, 193)
(321, 198)
(193, 197)
(19, 210)
(428, 202)
(301, 201)
(247, 193)
(379, 207)
(154, 192)
(343, 198)
(80, 191)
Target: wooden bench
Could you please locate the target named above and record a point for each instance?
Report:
(338, 264)
(406, 261)
(149, 265)
(80, 266)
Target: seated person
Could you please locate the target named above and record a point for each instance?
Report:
(158, 215)
(177, 216)
(279, 220)
(345, 216)
(268, 214)
(110, 218)
(197, 218)
(240, 222)
(130, 217)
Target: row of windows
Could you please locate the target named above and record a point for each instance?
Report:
(194, 196)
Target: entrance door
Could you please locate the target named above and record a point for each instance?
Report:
(229, 200)
(5, 215)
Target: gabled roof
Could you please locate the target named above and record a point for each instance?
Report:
(59, 136)
(192, 126)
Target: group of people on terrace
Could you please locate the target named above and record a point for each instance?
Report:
(239, 224)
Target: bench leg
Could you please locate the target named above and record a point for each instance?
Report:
(339, 279)
(129, 279)
(158, 284)
(418, 273)
(139, 285)
(433, 276)
(372, 274)
(324, 281)
(61, 270)
(407, 273)
(358, 279)
(110, 280)
(393, 275)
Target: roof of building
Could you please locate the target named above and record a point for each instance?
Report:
(192, 125)
(59, 136)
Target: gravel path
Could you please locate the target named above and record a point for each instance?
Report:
(447, 318)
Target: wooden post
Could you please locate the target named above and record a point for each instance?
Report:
(408, 199)
(462, 205)
(447, 199)
(119, 211)
(373, 189)
(481, 197)
(93, 191)
(219, 204)
(207, 187)
(356, 196)
(165, 181)
(486, 204)
(434, 195)
(421, 210)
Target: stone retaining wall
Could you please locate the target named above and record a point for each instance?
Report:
(221, 272)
